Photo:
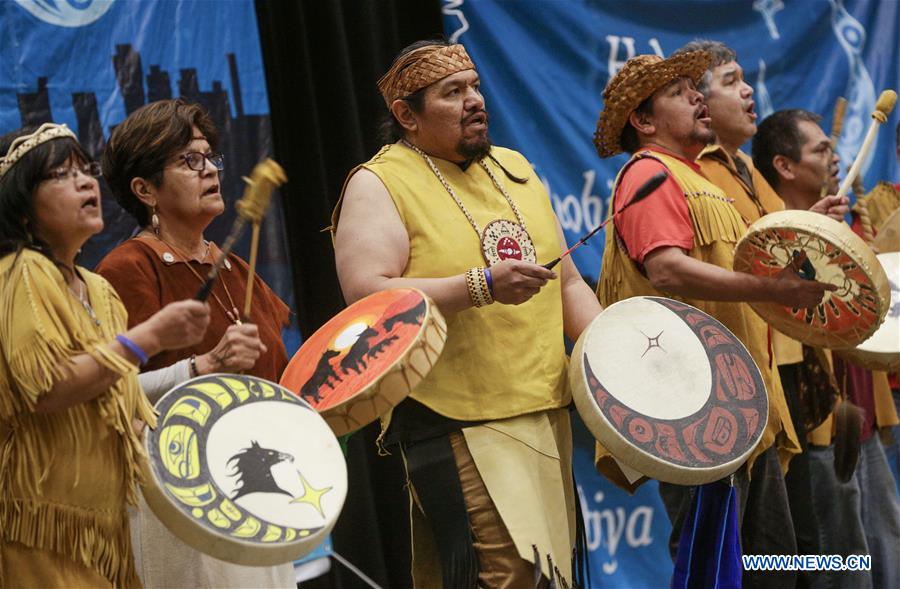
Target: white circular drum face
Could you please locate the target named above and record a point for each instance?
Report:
(887, 338)
(268, 459)
(652, 345)
(247, 459)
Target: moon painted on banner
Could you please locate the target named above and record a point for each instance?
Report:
(349, 336)
(71, 13)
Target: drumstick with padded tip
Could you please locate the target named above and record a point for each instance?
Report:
(837, 125)
(266, 176)
(883, 108)
(645, 190)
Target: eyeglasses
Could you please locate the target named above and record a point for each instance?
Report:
(197, 161)
(63, 173)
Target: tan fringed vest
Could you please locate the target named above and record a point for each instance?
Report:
(717, 228)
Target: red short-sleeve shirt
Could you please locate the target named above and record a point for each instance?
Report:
(660, 220)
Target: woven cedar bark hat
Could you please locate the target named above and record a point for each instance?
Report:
(638, 79)
(422, 67)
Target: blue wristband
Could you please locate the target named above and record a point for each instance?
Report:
(132, 347)
(489, 280)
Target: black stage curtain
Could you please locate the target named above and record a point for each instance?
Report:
(322, 61)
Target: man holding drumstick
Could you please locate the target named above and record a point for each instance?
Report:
(485, 436)
(680, 244)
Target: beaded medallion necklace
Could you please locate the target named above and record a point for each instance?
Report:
(501, 239)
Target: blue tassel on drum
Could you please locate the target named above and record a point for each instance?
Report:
(709, 548)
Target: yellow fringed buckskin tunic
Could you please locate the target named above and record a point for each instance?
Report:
(65, 476)
(717, 229)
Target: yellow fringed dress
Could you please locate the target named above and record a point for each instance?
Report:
(65, 477)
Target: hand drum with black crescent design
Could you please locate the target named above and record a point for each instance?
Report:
(847, 316)
(244, 470)
(367, 358)
(668, 390)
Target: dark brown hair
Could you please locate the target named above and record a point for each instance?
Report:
(780, 134)
(629, 139)
(719, 52)
(141, 146)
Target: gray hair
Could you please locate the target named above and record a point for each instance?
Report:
(718, 51)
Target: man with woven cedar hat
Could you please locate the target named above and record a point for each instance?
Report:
(485, 436)
(679, 243)
(860, 515)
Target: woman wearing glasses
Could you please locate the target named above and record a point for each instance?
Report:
(70, 401)
(162, 168)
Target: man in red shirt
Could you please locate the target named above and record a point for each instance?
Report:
(679, 242)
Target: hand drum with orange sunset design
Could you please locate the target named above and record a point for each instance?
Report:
(668, 390)
(835, 255)
(368, 358)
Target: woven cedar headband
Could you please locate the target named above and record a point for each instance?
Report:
(421, 67)
(638, 79)
(25, 143)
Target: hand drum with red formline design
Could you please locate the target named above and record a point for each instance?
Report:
(368, 358)
(668, 390)
(847, 316)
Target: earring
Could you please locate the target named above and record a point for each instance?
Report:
(154, 222)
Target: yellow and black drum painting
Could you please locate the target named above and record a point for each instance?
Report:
(244, 470)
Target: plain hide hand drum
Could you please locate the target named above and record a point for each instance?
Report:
(882, 350)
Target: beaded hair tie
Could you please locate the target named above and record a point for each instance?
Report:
(25, 143)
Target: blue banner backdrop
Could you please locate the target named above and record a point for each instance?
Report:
(89, 63)
(543, 67)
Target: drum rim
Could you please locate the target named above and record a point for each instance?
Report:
(886, 361)
(836, 233)
(648, 464)
(222, 546)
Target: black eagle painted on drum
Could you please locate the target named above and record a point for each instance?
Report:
(253, 467)
(198, 495)
(732, 417)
